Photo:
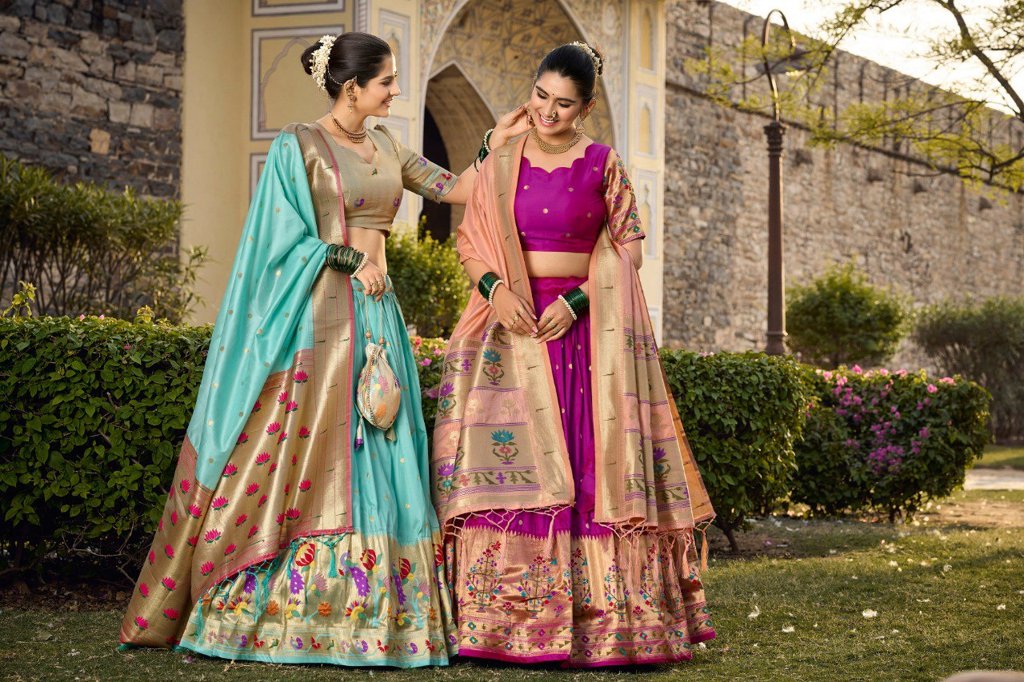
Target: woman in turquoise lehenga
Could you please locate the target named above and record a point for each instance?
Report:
(294, 531)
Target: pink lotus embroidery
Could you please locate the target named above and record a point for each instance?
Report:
(262, 458)
(282, 438)
(160, 525)
(291, 406)
(206, 568)
(304, 432)
(212, 535)
(170, 614)
(295, 459)
(152, 556)
(273, 428)
(141, 622)
(293, 514)
(229, 549)
(279, 518)
(263, 501)
(305, 485)
(243, 438)
(256, 407)
(252, 488)
(174, 517)
(273, 467)
(300, 377)
(185, 485)
(241, 519)
(287, 488)
(282, 397)
(253, 531)
(144, 590)
(192, 540)
(194, 511)
(169, 551)
(169, 583)
(230, 470)
(219, 503)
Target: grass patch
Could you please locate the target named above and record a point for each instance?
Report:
(947, 597)
(1002, 457)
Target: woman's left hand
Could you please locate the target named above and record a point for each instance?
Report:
(508, 126)
(554, 322)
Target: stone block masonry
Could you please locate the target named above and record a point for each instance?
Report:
(91, 90)
(929, 237)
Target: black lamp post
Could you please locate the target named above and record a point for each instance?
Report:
(774, 132)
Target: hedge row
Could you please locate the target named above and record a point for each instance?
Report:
(92, 413)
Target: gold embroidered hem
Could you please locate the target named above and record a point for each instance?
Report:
(583, 601)
(347, 599)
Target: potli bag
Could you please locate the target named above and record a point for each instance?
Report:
(378, 394)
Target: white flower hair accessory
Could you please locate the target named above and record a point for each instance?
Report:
(594, 57)
(320, 58)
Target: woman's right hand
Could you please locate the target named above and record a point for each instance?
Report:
(514, 312)
(372, 280)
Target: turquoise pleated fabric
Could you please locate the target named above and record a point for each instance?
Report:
(373, 596)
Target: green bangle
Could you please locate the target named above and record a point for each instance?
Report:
(577, 301)
(344, 259)
(486, 284)
(485, 146)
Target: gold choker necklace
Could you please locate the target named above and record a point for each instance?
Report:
(555, 148)
(355, 137)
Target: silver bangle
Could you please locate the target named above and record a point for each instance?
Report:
(568, 307)
(362, 264)
(490, 295)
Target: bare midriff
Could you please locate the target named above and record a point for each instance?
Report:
(556, 264)
(370, 242)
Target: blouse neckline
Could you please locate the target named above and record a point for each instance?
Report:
(330, 138)
(586, 153)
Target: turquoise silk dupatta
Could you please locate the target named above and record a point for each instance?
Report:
(278, 361)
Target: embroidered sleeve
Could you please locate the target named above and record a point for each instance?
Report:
(623, 217)
(420, 175)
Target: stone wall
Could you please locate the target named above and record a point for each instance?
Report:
(928, 237)
(92, 90)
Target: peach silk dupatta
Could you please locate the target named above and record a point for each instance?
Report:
(498, 439)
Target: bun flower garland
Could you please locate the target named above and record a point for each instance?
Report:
(592, 53)
(320, 59)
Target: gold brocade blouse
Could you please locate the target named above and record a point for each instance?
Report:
(373, 190)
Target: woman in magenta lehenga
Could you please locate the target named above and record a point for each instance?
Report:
(560, 469)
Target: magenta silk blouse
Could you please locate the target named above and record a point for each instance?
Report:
(562, 210)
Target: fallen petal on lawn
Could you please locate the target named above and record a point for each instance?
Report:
(788, 629)
(755, 613)
(1001, 607)
(869, 613)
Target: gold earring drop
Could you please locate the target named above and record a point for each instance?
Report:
(581, 127)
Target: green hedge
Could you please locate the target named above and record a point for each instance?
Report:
(984, 342)
(92, 416)
(743, 413)
(888, 441)
(93, 412)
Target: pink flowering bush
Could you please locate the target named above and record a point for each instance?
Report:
(429, 361)
(887, 441)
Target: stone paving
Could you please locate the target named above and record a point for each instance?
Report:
(994, 479)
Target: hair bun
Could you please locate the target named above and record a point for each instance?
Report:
(595, 55)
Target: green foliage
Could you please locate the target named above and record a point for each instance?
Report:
(90, 250)
(841, 319)
(888, 442)
(984, 342)
(429, 282)
(92, 414)
(743, 413)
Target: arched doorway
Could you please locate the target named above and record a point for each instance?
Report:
(484, 66)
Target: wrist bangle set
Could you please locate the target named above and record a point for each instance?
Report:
(485, 147)
(487, 285)
(576, 301)
(346, 259)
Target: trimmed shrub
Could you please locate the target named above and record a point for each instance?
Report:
(92, 416)
(743, 413)
(429, 282)
(888, 442)
(841, 319)
(91, 250)
(984, 342)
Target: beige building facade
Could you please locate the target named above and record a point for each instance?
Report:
(461, 63)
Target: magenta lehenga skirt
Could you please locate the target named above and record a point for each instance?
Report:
(534, 587)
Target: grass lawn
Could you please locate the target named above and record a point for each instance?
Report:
(804, 600)
(1002, 456)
